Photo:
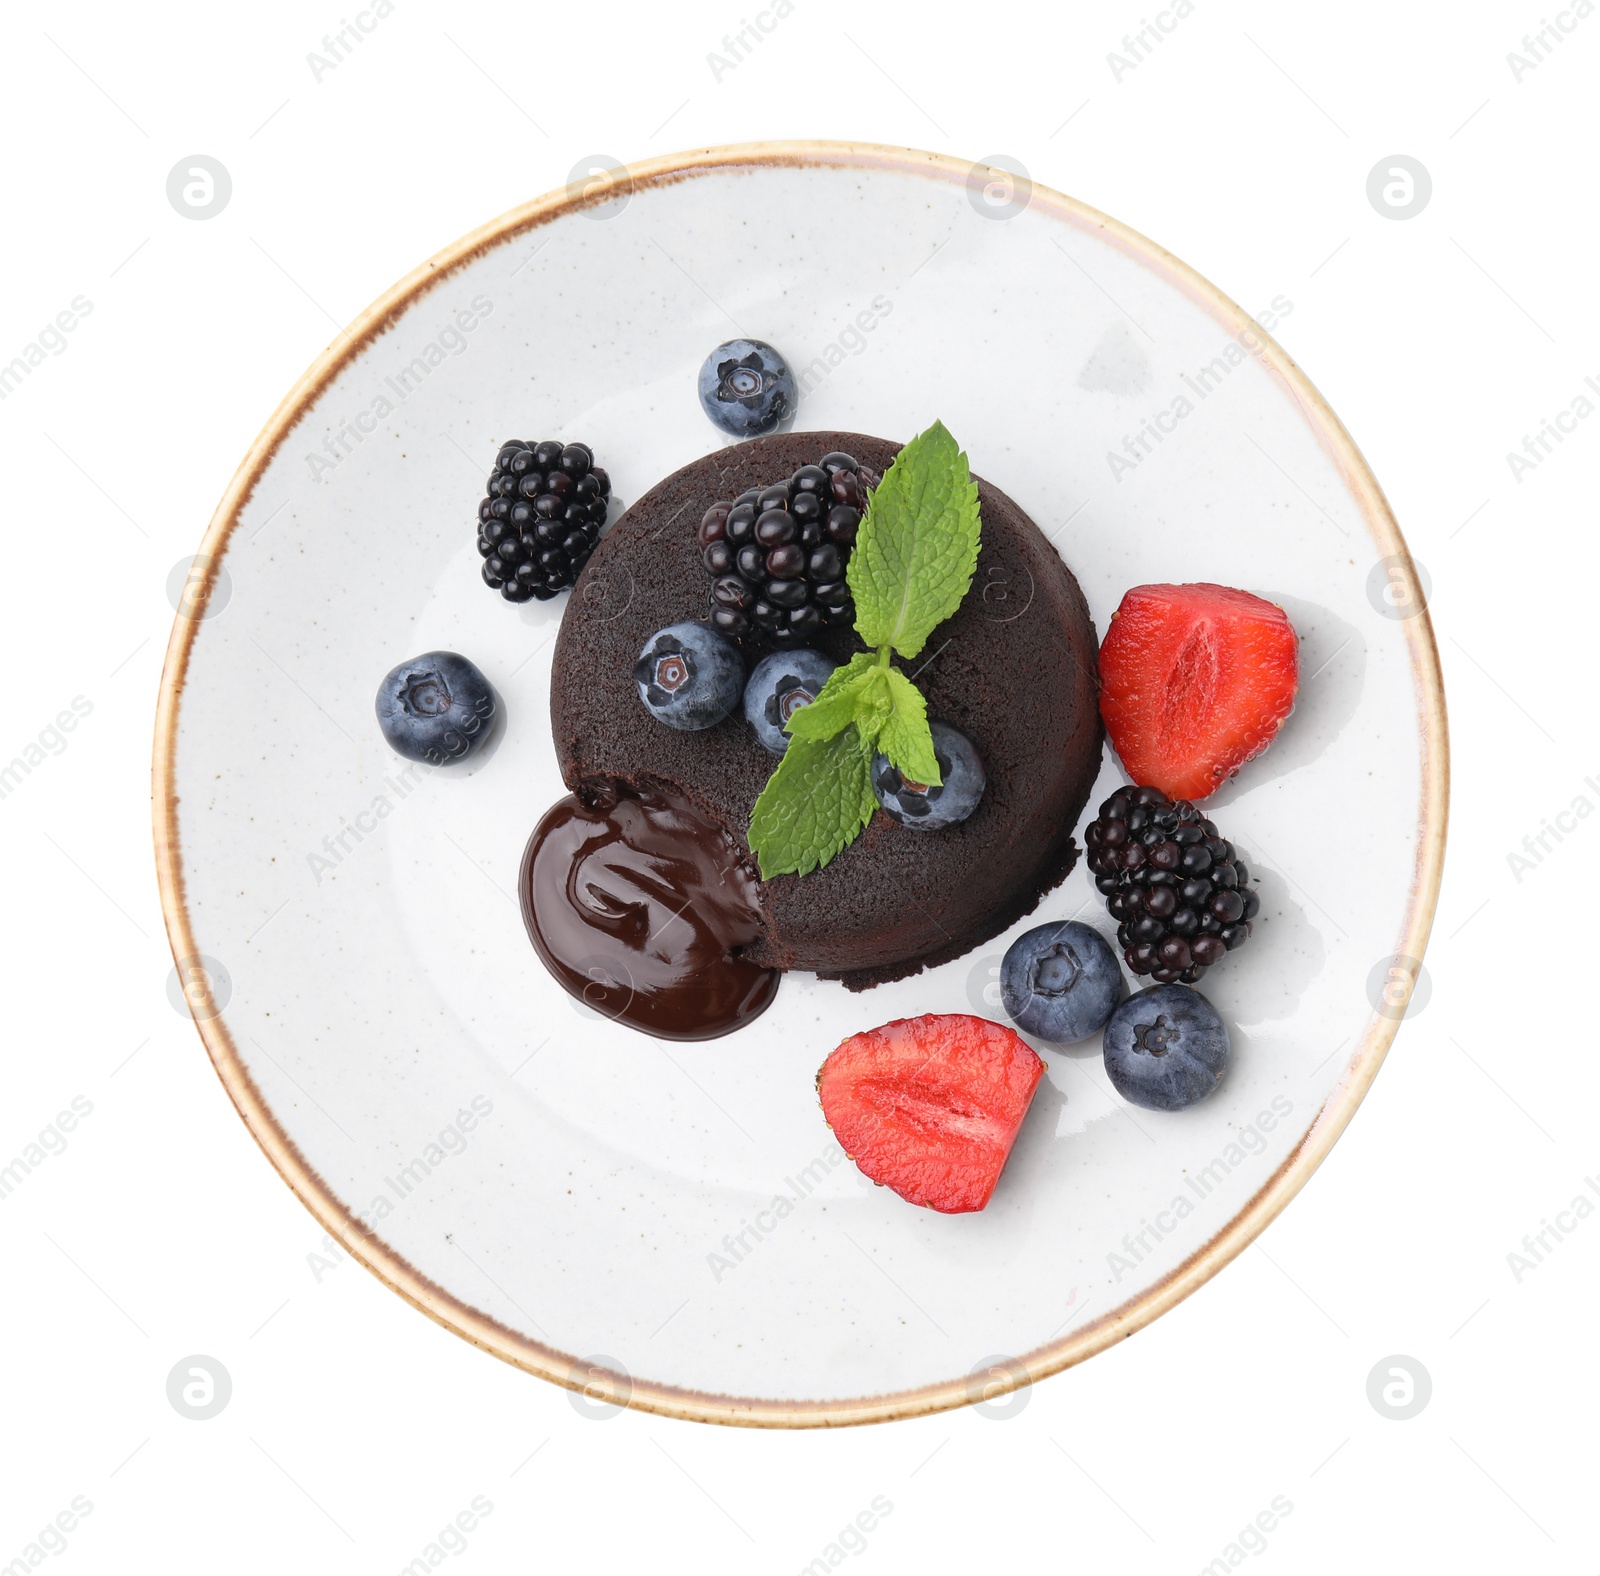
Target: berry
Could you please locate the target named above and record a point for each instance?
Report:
(544, 512)
(1195, 680)
(1176, 887)
(1060, 982)
(746, 388)
(436, 708)
(689, 676)
(777, 554)
(930, 1106)
(926, 808)
(1166, 1048)
(780, 685)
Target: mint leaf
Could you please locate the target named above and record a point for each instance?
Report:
(917, 548)
(913, 562)
(840, 701)
(814, 804)
(905, 736)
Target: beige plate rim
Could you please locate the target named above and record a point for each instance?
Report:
(471, 1323)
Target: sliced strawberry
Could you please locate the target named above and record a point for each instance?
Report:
(930, 1106)
(1195, 680)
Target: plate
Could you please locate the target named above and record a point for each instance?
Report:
(666, 1225)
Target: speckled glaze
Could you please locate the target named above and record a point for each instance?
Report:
(672, 1226)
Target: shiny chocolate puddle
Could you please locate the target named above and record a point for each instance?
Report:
(638, 905)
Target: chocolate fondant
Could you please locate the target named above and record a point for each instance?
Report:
(1014, 669)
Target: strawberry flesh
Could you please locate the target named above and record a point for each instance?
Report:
(1195, 680)
(930, 1106)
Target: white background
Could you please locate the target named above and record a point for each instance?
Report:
(356, 1428)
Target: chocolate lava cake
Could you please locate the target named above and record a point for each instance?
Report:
(1014, 669)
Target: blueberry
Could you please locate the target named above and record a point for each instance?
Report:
(436, 708)
(746, 388)
(780, 685)
(1166, 1048)
(929, 809)
(689, 676)
(1060, 982)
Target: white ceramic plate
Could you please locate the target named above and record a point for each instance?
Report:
(670, 1224)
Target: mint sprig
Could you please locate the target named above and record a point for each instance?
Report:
(913, 562)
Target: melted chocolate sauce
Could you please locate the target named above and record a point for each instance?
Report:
(638, 904)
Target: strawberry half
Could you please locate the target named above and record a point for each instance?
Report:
(930, 1106)
(1195, 680)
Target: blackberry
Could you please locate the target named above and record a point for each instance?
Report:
(1173, 883)
(543, 513)
(777, 554)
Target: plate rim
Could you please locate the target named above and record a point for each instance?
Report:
(605, 1385)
